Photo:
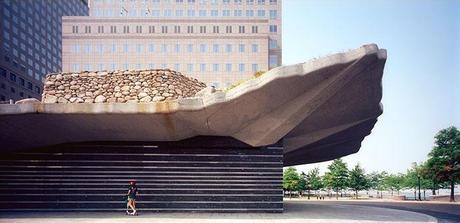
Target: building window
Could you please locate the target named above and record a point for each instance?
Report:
(151, 66)
(138, 29)
(190, 13)
(125, 48)
(76, 67)
(241, 67)
(215, 29)
(255, 48)
(255, 29)
(228, 48)
(37, 90)
(202, 29)
(241, 29)
(190, 67)
(151, 29)
(238, 13)
(202, 67)
(113, 29)
(203, 48)
(13, 90)
(255, 68)
(177, 48)
(214, 13)
(228, 67)
(215, 67)
(74, 29)
(100, 29)
(273, 28)
(273, 2)
(87, 29)
(249, 13)
(272, 44)
(139, 48)
(176, 29)
(242, 48)
(226, 13)
(273, 14)
(202, 13)
(179, 13)
(151, 48)
(164, 29)
(125, 29)
(177, 67)
(12, 77)
(215, 48)
(167, 13)
(273, 60)
(164, 48)
(156, 13)
(189, 29)
(226, 2)
(261, 2)
(190, 48)
(228, 29)
(22, 81)
(3, 72)
(261, 13)
(250, 2)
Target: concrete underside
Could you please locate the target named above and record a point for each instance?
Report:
(318, 110)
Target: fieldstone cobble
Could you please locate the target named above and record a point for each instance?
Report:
(122, 86)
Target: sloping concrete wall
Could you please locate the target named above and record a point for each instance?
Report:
(321, 110)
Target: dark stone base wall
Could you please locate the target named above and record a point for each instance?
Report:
(94, 177)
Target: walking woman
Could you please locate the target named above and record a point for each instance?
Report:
(132, 192)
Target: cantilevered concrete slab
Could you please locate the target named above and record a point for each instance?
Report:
(318, 110)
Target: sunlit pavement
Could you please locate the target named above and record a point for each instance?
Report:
(295, 211)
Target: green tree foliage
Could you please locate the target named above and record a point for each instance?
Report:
(338, 174)
(303, 182)
(394, 182)
(291, 180)
(314, 180)
(358, 180)
(444, 158)
(375, 181)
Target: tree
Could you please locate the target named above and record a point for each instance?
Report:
(338, 174)
(303, 183)
(314, 180)
(412, 179)
(394, 182)
(291, 180)
(444, 158)
(358, 180)
(375, 180)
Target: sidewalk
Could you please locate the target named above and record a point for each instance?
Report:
(294, 212)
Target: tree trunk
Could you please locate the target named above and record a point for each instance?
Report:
(337, 195)
(415, 194)
(452, 186)
(424, 197)
(433, 190)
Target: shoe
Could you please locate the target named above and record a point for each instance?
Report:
(134, 212)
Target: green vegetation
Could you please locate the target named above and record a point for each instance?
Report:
(441, 170)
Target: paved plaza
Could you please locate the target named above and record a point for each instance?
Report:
(295, 211)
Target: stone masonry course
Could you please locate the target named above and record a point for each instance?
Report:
(122, 86)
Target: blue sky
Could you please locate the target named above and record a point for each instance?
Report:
(421, 82)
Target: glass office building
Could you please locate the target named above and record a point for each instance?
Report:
(31, 46)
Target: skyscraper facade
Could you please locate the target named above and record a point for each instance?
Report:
(217, 41)
(31, 46)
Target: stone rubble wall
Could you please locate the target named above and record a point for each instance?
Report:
(119, 86)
